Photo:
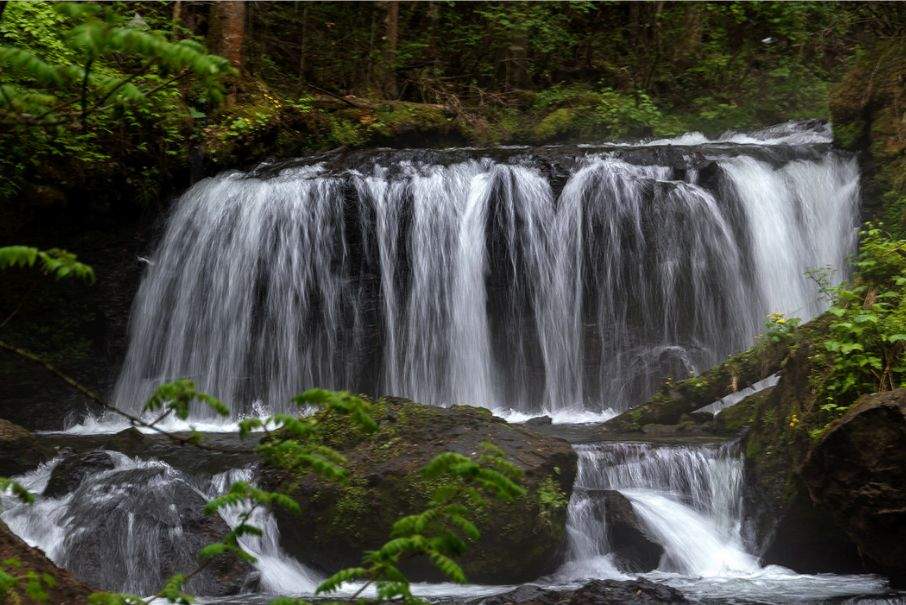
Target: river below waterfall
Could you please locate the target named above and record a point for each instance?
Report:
(567, 281)
(688, 497)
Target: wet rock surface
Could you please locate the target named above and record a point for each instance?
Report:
(596, 592)
(857, 471)
(20, 451)
(233, 452)
(139, 526)
(68, 474)
(520, 541)
(634, 550)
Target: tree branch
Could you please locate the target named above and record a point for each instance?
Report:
(96, 398)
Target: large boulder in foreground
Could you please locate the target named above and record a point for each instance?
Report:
(857, 472)
(520, 540)
(130, 529)
(66, 588)
(837, 504)
(20, 451)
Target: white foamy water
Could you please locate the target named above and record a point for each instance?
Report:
(789, 133)
(688, 500)
(146, 535)
(280, 573)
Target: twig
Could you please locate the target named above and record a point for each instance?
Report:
(336, 96)
(93, 396)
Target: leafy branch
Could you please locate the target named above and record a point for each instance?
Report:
(38, 91)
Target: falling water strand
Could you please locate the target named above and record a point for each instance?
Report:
(687, 497)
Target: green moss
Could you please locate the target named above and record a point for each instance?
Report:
(552, 502)
(557, 123)
(351, 507)
(345, 132)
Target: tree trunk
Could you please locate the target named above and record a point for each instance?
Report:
(230, 15)
(303, 43)
(391, 38)
(177, 12)
(226, 36)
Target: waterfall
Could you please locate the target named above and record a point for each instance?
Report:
(560, 280)
(688, 499)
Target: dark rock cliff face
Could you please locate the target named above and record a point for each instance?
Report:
(81, 328)
(868, 116)
(841, 505)
(857, 471)
(520, 541)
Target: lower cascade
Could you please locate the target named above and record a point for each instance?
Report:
(688, 500)
(131, 523)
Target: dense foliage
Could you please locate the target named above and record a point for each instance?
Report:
(125, 94)
(86, 84)
(865, 350)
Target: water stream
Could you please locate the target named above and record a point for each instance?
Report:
(689, 500)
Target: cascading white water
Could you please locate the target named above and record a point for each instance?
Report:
(569, 286)
(280, 573)
(688, 497)
(130, 526)
(689, 500)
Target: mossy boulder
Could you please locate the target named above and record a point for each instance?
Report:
(677, 399)
(520, 540)
(857, 472)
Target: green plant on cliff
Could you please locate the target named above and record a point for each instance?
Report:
(55, 262)
(780, 328)
(440, 532)
(551, 499)
(865, 350)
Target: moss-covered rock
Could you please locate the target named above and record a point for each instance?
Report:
(857, 472)
(869, 116)
(676, 399)
(19, 559)
(520, 540)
